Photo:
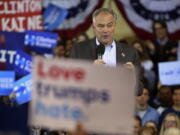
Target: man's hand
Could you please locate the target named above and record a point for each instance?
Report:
(99, 61)
(129, 65)
(79, 130)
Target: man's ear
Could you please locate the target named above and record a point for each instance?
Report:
(93, 27)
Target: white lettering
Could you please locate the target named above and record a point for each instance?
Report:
(11, 56)
(20, 7)
(21, 22)
(14, 25)
(3, 56)
(5, 22)
(17, 24)
(14, 7)
(34, 22)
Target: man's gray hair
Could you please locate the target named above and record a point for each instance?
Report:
(103, 10)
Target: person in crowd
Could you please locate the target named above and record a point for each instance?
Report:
(162, 48)
(146, 64)
(113, 53)
(176, 104)
(163, 99)
(81, 37)
(152, 124)
(68, 46)
(59, 51)
(172, 131)
(171, 120)
(145, 130)
(144, 110)
(137, 125)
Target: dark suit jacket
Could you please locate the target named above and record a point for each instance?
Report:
(86, 50)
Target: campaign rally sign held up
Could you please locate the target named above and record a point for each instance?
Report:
(41, 42)
(6, 82)
(19, 15)
(22, 89)
(9, 43)
(22, 63)
(169, 73)
(67, 91)
(53, 17)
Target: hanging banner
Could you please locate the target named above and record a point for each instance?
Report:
(19, 15)
(67, 91)
(141, 13)
(79, 16)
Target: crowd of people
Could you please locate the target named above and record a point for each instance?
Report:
(157, 108)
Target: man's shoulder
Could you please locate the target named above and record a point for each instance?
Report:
(85, 43)
(125, 47)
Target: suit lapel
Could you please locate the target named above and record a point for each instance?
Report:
(120, 54)
(92, 47)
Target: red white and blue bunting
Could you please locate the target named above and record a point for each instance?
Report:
(79, 15)
(140, 14)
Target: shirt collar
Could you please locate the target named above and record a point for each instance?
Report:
(162, 42)
(112, 45)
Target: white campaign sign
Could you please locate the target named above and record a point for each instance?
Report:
(169, 73)
(67, 91)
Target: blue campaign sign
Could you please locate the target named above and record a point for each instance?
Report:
(53, 17)
(22, 89)
(40, 42)
(169, 73)
(9, 43)
(6, 82)
(22, 63)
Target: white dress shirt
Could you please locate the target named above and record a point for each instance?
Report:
(109, 56)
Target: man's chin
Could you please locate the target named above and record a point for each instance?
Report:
(105, 42)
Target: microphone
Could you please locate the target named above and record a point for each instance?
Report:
(100, 49)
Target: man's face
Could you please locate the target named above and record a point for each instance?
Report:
(165, 95)
(138, 47)
(104, 28)
(176, 97)
(144, 98)
(160, 31)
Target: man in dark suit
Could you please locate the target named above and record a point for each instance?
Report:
(115, 53)
(104, 25)
(86, 50)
